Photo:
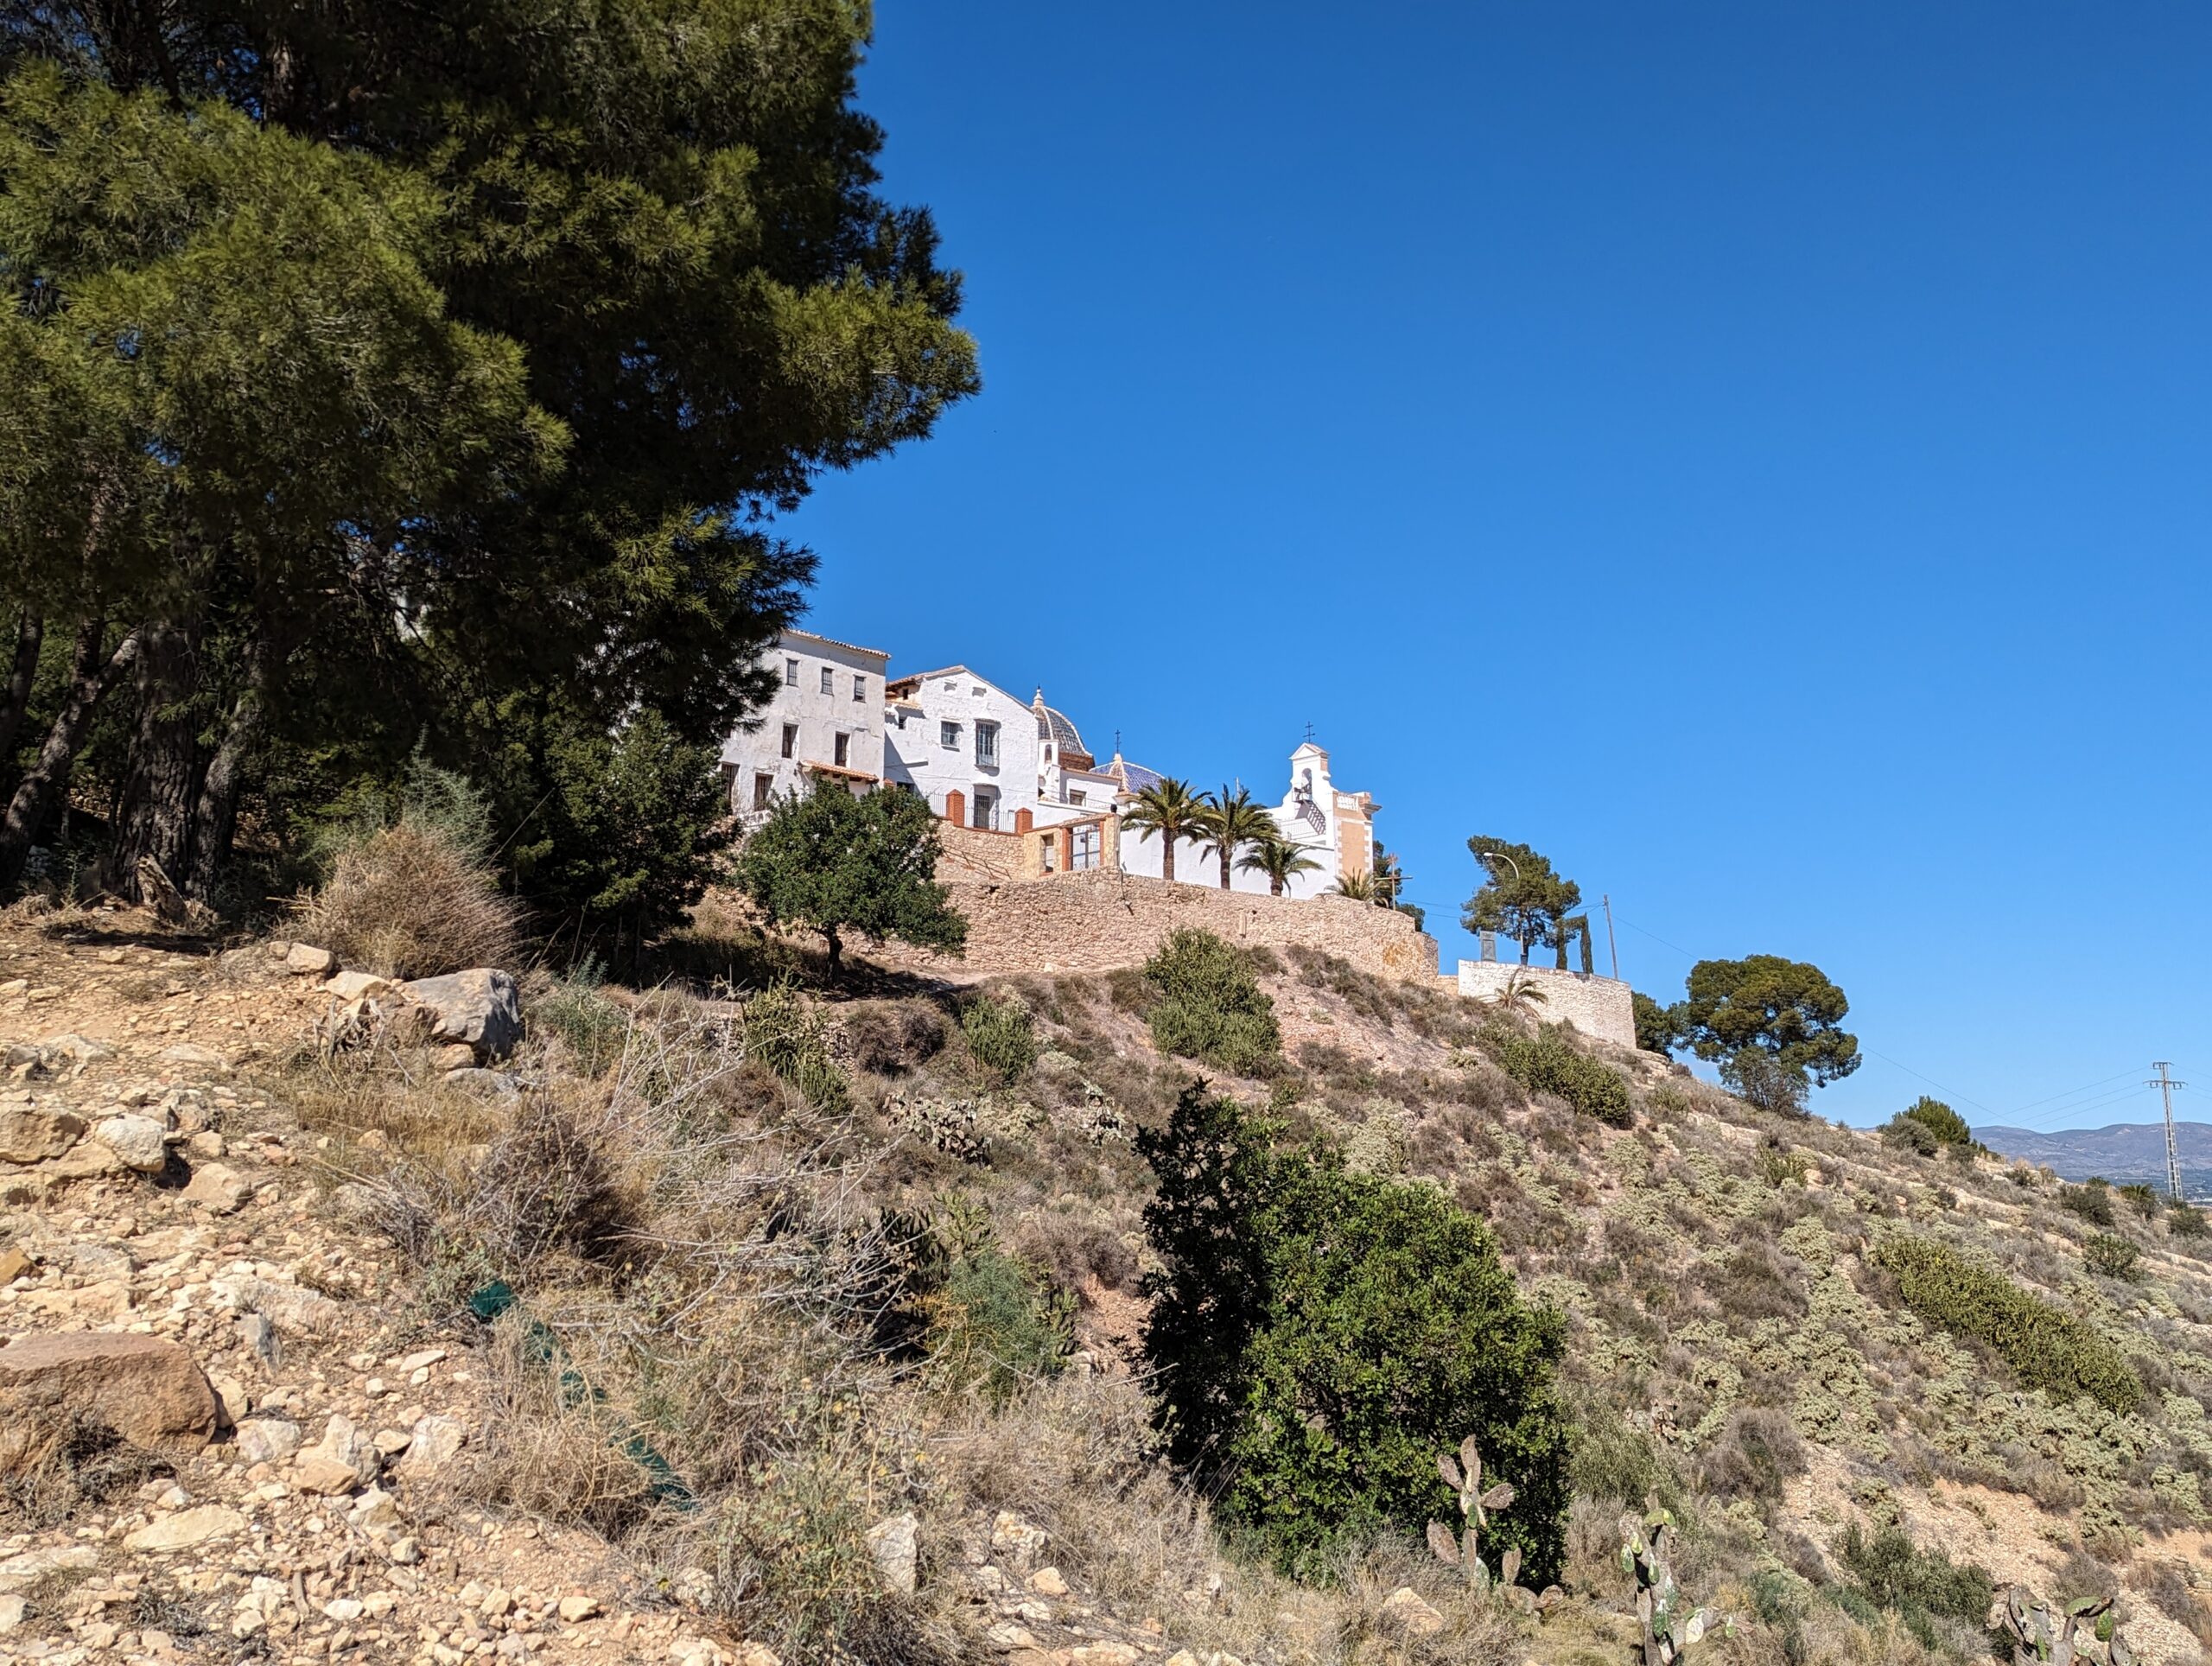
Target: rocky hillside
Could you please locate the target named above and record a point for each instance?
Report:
(337, 1329)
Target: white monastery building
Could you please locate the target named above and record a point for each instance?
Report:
(990, 762)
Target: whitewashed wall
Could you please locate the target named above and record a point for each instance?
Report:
(933, 769)
(821, 717)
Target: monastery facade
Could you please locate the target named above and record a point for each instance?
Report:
(995, 765)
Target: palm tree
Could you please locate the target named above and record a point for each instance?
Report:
(1280, 860)
(1231, 821)
(1169, 808)
(1360, 888)
(1520, 995)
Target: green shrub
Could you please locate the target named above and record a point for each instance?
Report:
(1211, 1007)
(980, 1318)
(2091, 1202)
(1319, 1336)
(1001, 1035)
(2046, 1348)
(2184, 1221)
(1547, 1063)
(781, 1032)
(2111, 1255)
(2145, 1200)
(593, 1027)
(1908, 1132)
(1893, 1573)
(1940, 1120)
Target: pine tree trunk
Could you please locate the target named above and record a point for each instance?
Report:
(161, 790)
(14, 702)
(215, 819)
(34, 795)
(836, 953)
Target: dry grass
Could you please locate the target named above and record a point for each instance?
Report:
(406, 902)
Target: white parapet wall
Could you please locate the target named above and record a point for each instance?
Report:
(1598, 1006)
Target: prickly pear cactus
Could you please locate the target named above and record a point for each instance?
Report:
(1671, 1623)
(2080, 1634)
(1464, 1477)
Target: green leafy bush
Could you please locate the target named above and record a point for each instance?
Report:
(2112, 1256)
(1211, 1007)
(1940, 1120)
(2046, 1348)
(1318, 1336)
(1547, 1063)
(2091, 1201)
(2186, 1221)
(1001, 1035)
(781, 1032)
(981, 1320)
(593, 1027)
(1907, 1133)
(1894, 1573)
(2142, 1198)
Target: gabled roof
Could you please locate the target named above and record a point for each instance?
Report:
(830, 641)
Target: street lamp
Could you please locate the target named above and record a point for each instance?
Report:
(1507, 860)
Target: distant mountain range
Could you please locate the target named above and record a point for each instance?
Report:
(2120, 1152)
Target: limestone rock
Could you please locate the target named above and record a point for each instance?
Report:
(479, 1007)
(356, 986)
(474, 1079)
(11, 1613)
(218, 1190)
(138, 1141)
(1015, 1539)
(894, 1542)
(337, 1463)
(198, 1058)
(186, 1529)
(149, 1391)
(268, 1440)
(431, 1444)
(1047, 1582)
(1404, 1609)
(14, 1263)
(574, 1609)
(309, 961)
(289, 1307)
(29, 1135)
(87, 1160)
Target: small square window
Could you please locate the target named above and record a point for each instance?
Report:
(791, 740)
(948, 735)
(791, 673)
(829, 681)
(1075, 796)
(860, 688)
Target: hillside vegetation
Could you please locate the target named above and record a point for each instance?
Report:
(840, 1284)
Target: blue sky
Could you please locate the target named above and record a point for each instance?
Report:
(1760, 455)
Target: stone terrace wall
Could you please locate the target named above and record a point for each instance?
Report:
(1598, 1006)
(1097, 922)
(981, 854)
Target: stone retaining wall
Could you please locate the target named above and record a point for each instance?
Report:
(1097, 922)
(1598, 1006)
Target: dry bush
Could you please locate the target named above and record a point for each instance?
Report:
(407, 902)
(1756, 1452)
(1078, 1249)
(891, 1037)
(53, 1470)
(551, 1453)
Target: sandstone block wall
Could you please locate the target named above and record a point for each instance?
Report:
(1597, 1007)
(1097, 922)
